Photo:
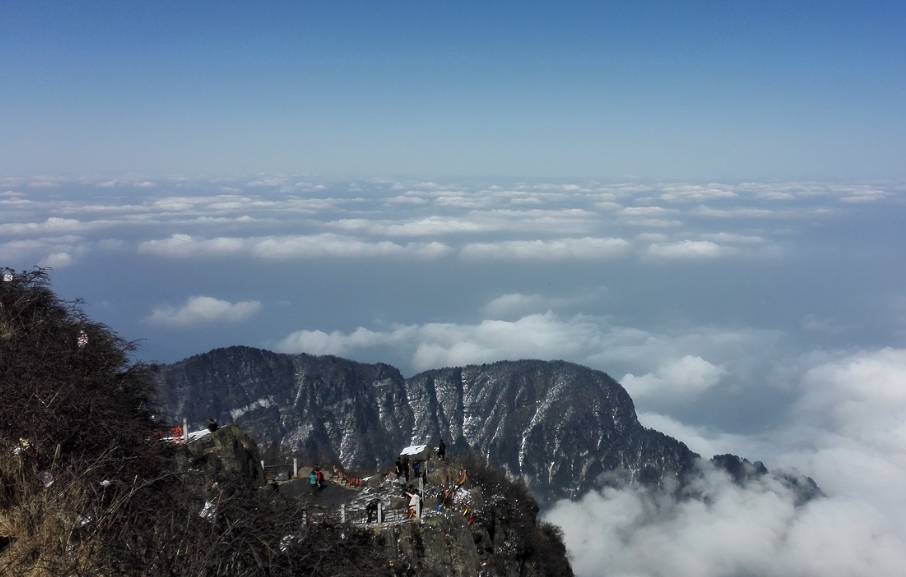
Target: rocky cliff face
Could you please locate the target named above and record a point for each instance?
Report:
(562, 427)
(327, 408)
(558, 425)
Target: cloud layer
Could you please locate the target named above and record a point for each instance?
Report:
(326, 245)
(744, 317)
(735, 531)
(594, 341)
(586, 248)
(280, 218)
(203, 310)
(682, 380)
(846, 431)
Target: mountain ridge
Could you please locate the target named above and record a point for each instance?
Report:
(562, 427)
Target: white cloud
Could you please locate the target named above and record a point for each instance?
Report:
(14, 199)
(249, 206)
(406, 199)
(187, 246)
(289, 247)
(739, 212)
(561, 221)
(462, 200)
(515, 304)
(31, 251)
(15, 203)
(268, 182)
(527, 200)
(428, 226)
(550, 221)
(864, 196)
(678, 381)
(774, 195)
(756, 530)
(545, 335)
(696, 192)
(335, 246)
(646, 211)
(201, 310)
(338, 343)
(688, 249)
(586, 248)
(706, 441)
(847, 429)
(57, 260)
(243, 219)
(116, 183)
(861, 396)
(53, 225)
(447, 344)
(733, 238)
(654, 222)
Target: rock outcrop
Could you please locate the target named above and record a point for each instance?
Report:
(481, 523)
(227, 454)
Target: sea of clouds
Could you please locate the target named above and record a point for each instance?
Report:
(764, 319)
(292, 218)
(847, 429)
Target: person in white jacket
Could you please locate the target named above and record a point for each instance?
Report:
(414, 499)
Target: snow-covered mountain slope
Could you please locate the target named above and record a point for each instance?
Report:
(562, 427)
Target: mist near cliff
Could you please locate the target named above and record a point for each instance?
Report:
(846, 429)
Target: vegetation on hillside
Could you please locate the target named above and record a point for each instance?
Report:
(88, 488)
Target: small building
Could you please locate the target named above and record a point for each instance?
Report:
(416, 452)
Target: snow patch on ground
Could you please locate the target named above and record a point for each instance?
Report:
(262, 403)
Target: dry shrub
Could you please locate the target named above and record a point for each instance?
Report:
(88, 488)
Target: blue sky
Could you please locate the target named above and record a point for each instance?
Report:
(643, 89)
